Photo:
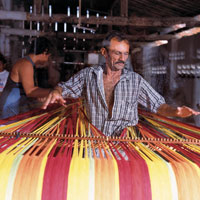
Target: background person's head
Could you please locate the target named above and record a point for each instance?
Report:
(115, 50)
(42, 48)
(40, 45)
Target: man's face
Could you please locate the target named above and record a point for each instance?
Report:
(45, 57)
(43, 60)
(117, 54)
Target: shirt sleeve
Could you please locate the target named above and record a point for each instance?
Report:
(149, 98)
(74, 86)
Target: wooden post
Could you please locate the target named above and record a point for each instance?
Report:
(46, 4)
(37, 6)
(124, 8)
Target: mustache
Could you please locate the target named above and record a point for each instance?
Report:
(120, 62)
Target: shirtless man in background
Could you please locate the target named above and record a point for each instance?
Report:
(21, 87)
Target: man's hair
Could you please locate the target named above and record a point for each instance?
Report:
(40, 45)
(114, 34)
(2, 58)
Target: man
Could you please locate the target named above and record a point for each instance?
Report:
(111, 94)
(21, 87)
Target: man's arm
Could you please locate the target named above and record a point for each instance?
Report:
(169, 111)
(72, 88)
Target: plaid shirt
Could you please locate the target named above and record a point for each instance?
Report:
(130, 91)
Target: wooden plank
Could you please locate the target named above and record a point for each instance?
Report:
(12, 15)
(19, 32)
(46, 4)
(120, 21)
(172, 28)
(150, 41)
(124, 8)
(38, 6)
(87, 36)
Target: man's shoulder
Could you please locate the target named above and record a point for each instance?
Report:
(94, 68)
(22, 63)
(132, 74)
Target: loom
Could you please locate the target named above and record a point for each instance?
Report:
(57, 154)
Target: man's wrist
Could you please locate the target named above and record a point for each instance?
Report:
(58, 90)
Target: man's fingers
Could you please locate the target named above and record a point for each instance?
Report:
(62, 102)
(52, 98)
(196, 113)
(46, 103)
(186, 111)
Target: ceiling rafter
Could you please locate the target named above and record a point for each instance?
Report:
(120, 21)
(172, 5)
(144, 21)
(151, 9)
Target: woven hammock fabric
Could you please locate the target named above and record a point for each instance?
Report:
(58, 154)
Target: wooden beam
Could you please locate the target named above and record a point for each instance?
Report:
(114, 4)
(148, 41)
(19, 32)
(45, 4)
(13, 15)
(172, 28)
(124, 8)
(87, 36)
(120, 21)
(37, 6)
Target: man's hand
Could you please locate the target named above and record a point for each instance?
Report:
(42, 99)
(54, 97)
(185, 112)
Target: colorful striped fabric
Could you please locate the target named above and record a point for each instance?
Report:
(59, 155)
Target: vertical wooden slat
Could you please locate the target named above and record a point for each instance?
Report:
(38, 6)
(124, 8)
(46, 4)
